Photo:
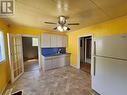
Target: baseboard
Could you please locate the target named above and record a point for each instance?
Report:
(75, 66)
(4, 88)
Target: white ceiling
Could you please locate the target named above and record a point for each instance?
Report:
(33, 13)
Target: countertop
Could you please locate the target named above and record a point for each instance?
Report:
(56, 55)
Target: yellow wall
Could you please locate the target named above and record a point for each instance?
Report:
(30, 31)
(4, 67)
(117, 26)
(112, 27)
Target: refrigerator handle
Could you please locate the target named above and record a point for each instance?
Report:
(94, 65)
(94, 48)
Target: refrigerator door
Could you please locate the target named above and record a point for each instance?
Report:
(112, 46)
(110, 76)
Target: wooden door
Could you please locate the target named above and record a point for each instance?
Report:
(15, 56)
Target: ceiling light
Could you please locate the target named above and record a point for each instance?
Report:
(65, 28)
(62, 28)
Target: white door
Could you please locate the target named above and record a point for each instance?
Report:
(15, 56)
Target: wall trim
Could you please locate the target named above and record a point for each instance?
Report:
(78, 50)
(74, 65)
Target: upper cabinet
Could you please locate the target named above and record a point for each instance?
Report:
(46, 40)
(64, 41)
(53, 40)
(50, 40)
(59, 41)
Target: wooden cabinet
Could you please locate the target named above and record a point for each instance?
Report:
(56, 61)
(54, 40)
(64, 41)
(48, 64)
(59, 41)
(46, 40)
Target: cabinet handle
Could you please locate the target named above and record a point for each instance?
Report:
(94, 66)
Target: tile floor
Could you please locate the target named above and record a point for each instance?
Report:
(61, 81)
(31, 65)
(85, 67)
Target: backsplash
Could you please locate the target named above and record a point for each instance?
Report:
(52, 51)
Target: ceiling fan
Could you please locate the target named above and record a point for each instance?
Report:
(62, 24)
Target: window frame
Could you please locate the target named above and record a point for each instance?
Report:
(3, 46)
(33, 42)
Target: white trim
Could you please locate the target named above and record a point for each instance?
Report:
(26, 35)
(2, 44)
(85, 48)
(18, 91)
(78, 50)
(2, 61)
(39, 47)
(86, 39)
(75, 66)
(9, 54)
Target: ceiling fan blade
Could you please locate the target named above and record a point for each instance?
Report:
(50, 22)
(73, 23)
(55, 28)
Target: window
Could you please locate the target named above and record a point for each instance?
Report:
(2, 50)
(34, 41)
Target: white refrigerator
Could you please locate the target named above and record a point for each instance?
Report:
(109, 75)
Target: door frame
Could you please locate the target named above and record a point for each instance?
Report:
(92, 51)
(86, 39)
(39, 48)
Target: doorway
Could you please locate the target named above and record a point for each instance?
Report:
(30, 53)
(85, 53)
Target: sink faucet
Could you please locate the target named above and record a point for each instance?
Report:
(59, 51)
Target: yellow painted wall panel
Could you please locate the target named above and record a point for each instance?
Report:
(112, 27)
(31, 31)
(4, 67)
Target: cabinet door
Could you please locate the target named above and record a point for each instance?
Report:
(64, 41)
(46, 40)
(48, 64)
(55, 62)
(59, 41)
(53, 41)
(62, 61)
(67, 60)
(58, 62)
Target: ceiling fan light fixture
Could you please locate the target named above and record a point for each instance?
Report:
(62, 25)
(62, 20)
(65, 28)
(62, 28)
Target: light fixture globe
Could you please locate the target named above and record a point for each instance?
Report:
(62, 28)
